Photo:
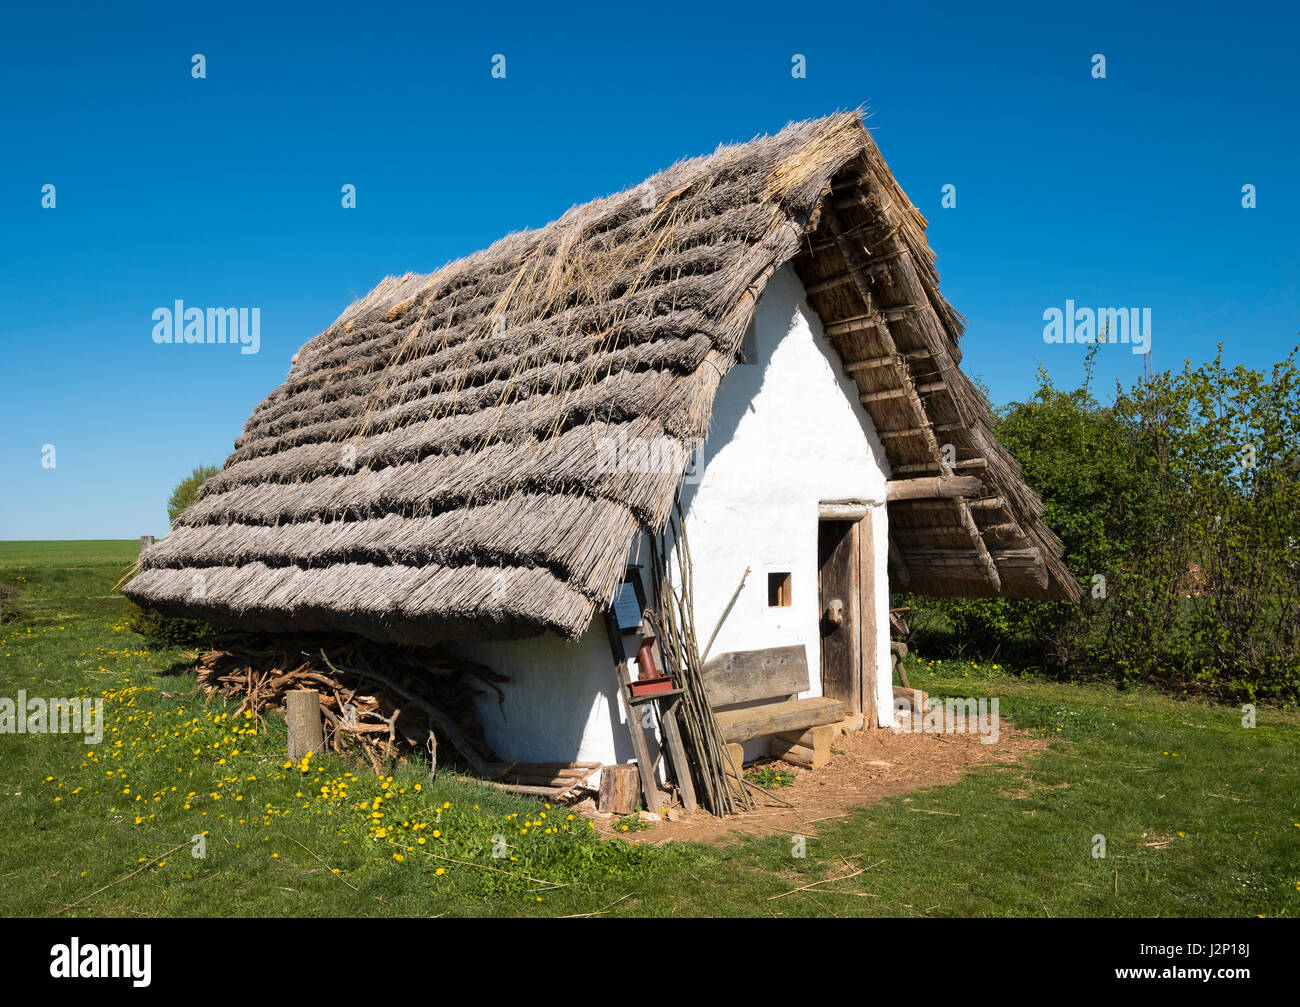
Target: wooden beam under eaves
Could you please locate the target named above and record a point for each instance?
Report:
(979, 503)
(830, 283)
(853, 366)
(931, 488)
(880, 396)
(853, 261)
(977, 542)
(947, 556)
(964, 463)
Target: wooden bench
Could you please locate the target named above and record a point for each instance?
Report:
(771, 679)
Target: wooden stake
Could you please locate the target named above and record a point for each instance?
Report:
(677, 751)
(619, 787)
(302, 714)
(654, 797)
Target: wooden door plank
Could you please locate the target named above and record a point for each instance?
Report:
(867, 623)
(837, 581)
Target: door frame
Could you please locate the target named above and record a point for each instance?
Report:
(861, 607)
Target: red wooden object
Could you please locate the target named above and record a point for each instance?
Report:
(648, 680)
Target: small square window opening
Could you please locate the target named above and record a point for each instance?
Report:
(778, 590)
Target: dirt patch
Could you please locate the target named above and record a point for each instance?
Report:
(874, 765)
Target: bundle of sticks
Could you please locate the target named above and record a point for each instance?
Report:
(717, 780)
(382, 700)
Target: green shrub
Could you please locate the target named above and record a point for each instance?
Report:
(1179, 511)
(9, 610)
(163, 632)
(186, 491)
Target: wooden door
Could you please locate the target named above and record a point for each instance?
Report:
(841, 612)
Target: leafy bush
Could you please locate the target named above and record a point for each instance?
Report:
(1218, 577)
(9, 611)
(1179, 510)
(163, 632)
(186, 491)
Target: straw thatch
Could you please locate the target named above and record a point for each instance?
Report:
(431, 468)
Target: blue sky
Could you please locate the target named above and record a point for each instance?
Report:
(1122, 191)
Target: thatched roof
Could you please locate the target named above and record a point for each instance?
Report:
(429, 469)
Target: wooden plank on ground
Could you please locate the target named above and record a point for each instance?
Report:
(528, 788)
(798, 755)
(775, 718)
(853, 722)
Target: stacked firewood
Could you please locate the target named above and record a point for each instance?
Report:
(381, 700)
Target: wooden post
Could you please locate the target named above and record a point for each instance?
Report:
(619, 787)
(145, 542)
(654, 797)
(673, 741)
(867, 648)
(302, 714)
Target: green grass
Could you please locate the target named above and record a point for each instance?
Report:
(1221, 803)
(67, 569)
(771, 777)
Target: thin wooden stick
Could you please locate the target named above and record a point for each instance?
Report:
(763, 790)
(583, 916)
(497, 870)
(331, 869)
(725, 612)
(123, 878)
(825, 881)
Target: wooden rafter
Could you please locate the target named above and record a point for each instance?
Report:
(853, 263)
(931, 488)
(963, 463)
(897, 563)
(977, 541)
(888, 242)
(977, 503)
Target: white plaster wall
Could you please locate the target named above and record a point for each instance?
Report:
(561, 703)
(787, 433)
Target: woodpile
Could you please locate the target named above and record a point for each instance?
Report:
(380, 700)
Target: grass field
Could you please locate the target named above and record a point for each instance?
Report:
(1201, 817)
